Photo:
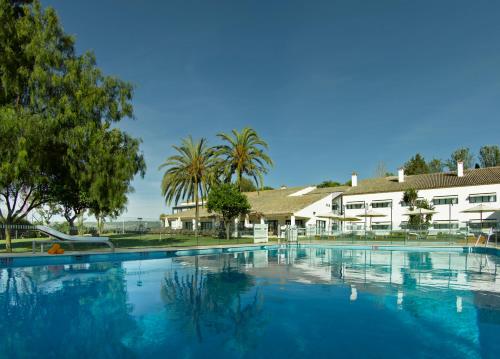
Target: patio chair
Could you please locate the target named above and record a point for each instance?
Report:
(60, 237)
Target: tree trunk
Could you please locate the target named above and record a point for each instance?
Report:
(197, 210)
(71, 222)
(8, 242)
(240, 175)
(98, 225)
(228, 229)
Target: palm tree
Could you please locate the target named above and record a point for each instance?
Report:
(244, 154)
(410, 197)
(189, 174)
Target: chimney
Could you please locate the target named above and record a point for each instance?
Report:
(354, 179)
(401, 175)
(460, 169)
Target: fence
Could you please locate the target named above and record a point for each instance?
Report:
(418, 234)
(18, 231)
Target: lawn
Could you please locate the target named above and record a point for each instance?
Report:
(133, 241)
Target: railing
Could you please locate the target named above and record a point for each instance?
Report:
(407, 236)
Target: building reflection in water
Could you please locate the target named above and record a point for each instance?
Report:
(250, 303)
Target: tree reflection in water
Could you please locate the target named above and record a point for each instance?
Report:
(53, 312)
(204, 303)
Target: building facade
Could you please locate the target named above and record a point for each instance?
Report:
(304, 207)
(449, 193)
(345, 208)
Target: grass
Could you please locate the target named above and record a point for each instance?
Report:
(134, 241)
(131, 241)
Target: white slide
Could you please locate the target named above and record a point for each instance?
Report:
(67, 238)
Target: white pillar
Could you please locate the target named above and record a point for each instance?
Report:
(292, 220)
(400, 298)
(262, 220)
(401, 175)
(354, 294)
(236, 221)
(179, 223)
(194, 224)
(460, 169)
(247, 221)
(459, 304)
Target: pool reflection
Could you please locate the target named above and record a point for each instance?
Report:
(279, 303)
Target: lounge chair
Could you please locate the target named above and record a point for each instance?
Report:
(63, 237)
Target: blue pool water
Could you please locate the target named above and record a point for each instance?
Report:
(278, 303)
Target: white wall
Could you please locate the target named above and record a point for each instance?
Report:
(173, 223)
(320, 207)
(443, 210)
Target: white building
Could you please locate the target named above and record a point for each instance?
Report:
(327, 208)
(450, 193)
(300, 206)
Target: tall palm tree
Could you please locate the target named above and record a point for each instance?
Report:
(244, 154)
(188, 174)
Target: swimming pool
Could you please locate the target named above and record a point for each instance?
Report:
(273, 302)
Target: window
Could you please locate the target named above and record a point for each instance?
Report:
(445, 225)
(187, 225)
(381, 204)
(481, 198)
(381, 226)
(321, 224)
(445, 200)
(486, 224)
(205, 226)
(355, 205)
(298, 222)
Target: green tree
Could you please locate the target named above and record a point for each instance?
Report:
(410, 197)
(48, 211)
(244, 154)
(435, 166)
(189, 173)
(247, 185)
(329, 183)
(462, 154)
(229, 202)
(416, 165)
(113, 162)
(489, 156)
(24, 174)
(425, 204)
(53, 106)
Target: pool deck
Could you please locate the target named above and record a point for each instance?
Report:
(374, 245)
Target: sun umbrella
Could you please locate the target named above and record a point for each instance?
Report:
(347, 219)
(327, 215)
(481, 208)
(371, 214)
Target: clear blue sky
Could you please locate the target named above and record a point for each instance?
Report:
(333, 86)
